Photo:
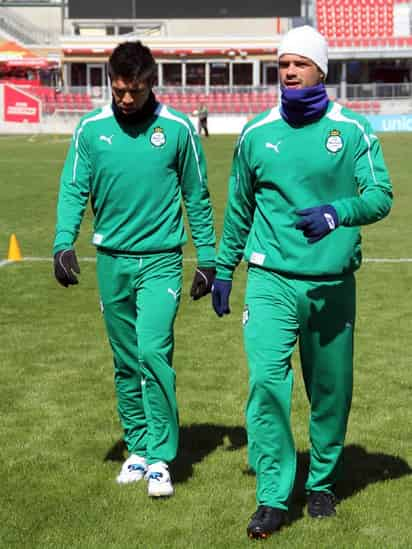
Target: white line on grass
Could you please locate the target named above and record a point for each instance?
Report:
(41, 160)
(387, 260)
(34, 139)
(5, 262)
(53, 141)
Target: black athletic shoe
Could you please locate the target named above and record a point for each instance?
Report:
(265, 522)
(321, 504)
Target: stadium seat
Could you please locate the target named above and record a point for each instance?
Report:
(355, 18)
(255, 107)
(366, 106)
(376, 107)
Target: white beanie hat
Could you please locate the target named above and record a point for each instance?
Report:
(307, 42)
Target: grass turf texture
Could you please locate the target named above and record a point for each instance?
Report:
(60, 437)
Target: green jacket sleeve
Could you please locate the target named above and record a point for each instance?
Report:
(73, 193)
(239, 212)
(193, 181)
(375, 189)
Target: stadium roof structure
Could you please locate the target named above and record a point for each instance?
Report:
(180, 51)
(195, 47)
(179, 47)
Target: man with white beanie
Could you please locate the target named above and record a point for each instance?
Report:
(305, 176)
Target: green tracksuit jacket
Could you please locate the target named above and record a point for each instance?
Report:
(136, 175)
(278, 170)
(296, 290)
(136, 179)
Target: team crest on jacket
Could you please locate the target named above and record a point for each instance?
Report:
(158, 138)
(334, 141)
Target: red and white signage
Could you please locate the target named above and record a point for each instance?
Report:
(20, 106)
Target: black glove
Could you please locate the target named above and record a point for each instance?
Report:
(202, 282)
(65, 265)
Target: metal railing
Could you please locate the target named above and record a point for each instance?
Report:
(370, 91)
(373, 90)
(211, 89)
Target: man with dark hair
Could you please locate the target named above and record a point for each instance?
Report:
(305, 176)
(136, 159)
(132, 60)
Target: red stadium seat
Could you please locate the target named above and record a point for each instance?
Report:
(376, 107)
(366, 106)
(355, 18)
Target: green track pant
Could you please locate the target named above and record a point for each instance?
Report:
(140, 297)
(321, 313)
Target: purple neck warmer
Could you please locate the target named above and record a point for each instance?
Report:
(299, 107)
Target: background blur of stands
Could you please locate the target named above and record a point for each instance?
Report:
(373, 98)
(227, 64)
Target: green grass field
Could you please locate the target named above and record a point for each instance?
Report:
(60, 439)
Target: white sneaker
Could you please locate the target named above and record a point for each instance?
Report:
(159, 482)
(133, 469)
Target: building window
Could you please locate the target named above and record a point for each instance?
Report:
(125, 30)
(78, 74)
(334, 72)
(242, 74)
(156, 76)
(172, 74)
(96, 75)
(195, 74)
(219, 74)
(354, 72)
(268, 74)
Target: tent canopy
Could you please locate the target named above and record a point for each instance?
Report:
(13, 55)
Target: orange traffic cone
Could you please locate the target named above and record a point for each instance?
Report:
(14, 250)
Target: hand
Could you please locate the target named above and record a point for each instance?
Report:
(202, 282)
(220, 296)
(65, 265)
(317, 222)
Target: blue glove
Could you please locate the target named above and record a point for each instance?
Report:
(220, 296)
(317, 222)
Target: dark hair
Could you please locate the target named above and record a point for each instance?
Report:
(131, 61)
